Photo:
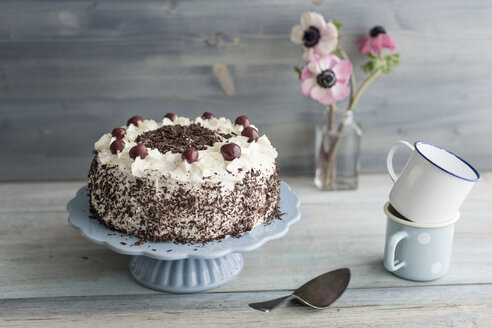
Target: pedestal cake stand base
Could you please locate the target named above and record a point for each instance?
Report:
(186, 275)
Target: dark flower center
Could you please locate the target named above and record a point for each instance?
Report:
(376, 30)
(311, 37)
(326, 79)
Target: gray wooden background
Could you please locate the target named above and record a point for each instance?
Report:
(72, 70)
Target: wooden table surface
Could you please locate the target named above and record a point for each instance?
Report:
(51, 276)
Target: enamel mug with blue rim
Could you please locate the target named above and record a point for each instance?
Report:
(433, 184)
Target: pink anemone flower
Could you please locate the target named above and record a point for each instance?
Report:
(325, 79)
(317, 36)
(376, 40)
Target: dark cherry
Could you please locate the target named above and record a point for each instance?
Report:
(207, 116)
(243, 120)
(170, 116)
(251, 133)
(116, 146)
(139, 150)
(118, 133)
(134, 120)
(230, 151)
(191, 155)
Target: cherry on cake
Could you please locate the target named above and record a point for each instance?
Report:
(184, 180)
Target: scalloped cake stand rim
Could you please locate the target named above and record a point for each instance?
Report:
(94, 231)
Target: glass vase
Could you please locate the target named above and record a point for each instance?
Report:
(337, 149)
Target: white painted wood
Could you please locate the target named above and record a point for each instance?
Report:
(51, 277)
(224, 78)
(53, 196)
(461, 306)
(337, 229)
(37, 197)
(70, 71)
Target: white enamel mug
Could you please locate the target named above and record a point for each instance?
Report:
(432, 185)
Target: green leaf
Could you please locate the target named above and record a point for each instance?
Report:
(387, 64)
(368, 67)
(338, 25)
(392, 61)
(298, 70)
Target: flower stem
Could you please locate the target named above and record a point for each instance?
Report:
(363, 86)
(334, 143)
(328, 173)
(331, 120)
(352, 76)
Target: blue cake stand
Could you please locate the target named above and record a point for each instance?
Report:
(183, 268)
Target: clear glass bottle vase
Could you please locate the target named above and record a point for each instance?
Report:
(337, 149)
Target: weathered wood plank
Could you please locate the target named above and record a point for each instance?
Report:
(104, 19)
(70, 71)
(459, 306)
(37, 197)
(437, 316)
(51, 277)
(343, 229)
(373, 188)
(377, 298)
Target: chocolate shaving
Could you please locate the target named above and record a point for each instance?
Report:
(138, 243)
(178, 138)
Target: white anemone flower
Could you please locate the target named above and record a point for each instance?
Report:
(316, 35)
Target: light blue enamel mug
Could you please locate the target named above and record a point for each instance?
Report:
(417, 251)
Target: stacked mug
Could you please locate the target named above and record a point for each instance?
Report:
(424, 204)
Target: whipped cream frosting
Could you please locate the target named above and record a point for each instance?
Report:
(211, 165)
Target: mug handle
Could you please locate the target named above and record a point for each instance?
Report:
(391, 153)
(389, 256)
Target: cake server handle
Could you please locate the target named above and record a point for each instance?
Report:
(270, 305)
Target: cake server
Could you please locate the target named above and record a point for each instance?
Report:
(318, 293)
